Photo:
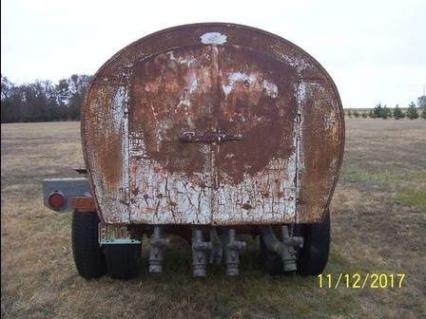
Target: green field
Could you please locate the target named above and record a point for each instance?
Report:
(378, 226)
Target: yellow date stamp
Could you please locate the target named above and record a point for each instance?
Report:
(361, 281)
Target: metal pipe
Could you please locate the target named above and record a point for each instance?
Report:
(199, 253)
(289, 254)
(284, 248)
(158, 244)
(232, 253)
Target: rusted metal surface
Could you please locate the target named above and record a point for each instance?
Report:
(212, 124)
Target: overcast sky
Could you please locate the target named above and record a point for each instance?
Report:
(374, 50)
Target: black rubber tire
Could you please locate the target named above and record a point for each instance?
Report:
(123, 260)
(313, 257)
(271, 262)
(88, 256)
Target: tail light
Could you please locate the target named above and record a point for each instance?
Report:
(56, 200)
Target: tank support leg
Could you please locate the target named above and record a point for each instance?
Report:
(199, 253)
(284, 248)
(232, 253)
(158, 244)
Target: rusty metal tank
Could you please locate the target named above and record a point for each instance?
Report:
(212, 124)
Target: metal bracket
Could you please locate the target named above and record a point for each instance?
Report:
(110, 234)
(68, 187)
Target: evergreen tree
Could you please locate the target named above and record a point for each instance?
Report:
(378, 111)
(349, 113)
(397, 113)
(356, 113)
(423, 115)
(386, 112)
(364, 115)
(412, 111)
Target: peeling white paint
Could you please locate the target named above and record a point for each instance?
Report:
(120, 124)
(301, 96)
(213, 38)
(165, 198)
(183, 102)
(118, 107)
(237, 77)
(270, 88)
(193, 85)
(298, 63)
(329, 121)
(186, 60)
(230, 198)
(227, 89)
(301, 92)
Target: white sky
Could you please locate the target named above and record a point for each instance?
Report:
(374, 50)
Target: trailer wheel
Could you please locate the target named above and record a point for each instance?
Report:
(313, 257)
(123, 260)
(271, 261)
(88, 257)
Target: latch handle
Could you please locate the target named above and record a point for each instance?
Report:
(208, 137)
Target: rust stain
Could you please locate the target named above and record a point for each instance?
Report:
(267, 121)
(180, 102)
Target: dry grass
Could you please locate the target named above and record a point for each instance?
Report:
(379, 225)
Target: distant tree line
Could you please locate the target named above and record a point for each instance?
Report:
(382, 111)
(41, 101)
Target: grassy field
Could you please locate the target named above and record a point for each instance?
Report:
(378, 225)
